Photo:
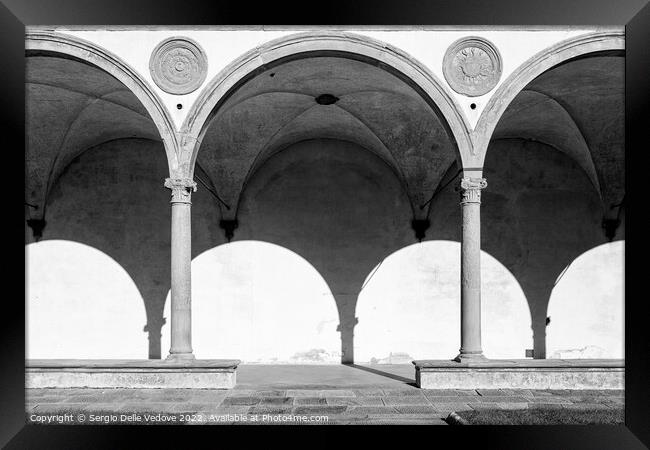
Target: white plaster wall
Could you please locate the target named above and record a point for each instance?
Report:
(80, 303)
(410, 307)
(586, 308)
(264, 303)
(225, 44)
(260, 303)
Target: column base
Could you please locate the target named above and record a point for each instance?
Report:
(180, 356)
(470, 357)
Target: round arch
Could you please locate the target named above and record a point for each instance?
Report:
(346, 45)
(531, 69)
(42, 42)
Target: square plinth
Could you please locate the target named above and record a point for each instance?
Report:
(190, 374)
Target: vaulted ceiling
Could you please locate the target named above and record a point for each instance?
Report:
(577, 108)
(72, 106)
(370, 107)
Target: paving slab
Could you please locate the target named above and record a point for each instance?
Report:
(370, 410)
(303, 393)
(240, 392)
(271, 409)
(519, 392)
(483, 406)
(510, 398)
(241, 401)
(319, 410)
(276, 401)
(336, 393)
(416, 409)
(494, 392)
(270, 393)
(452, 400)
(440, 393)
(355, 401)
(368, 392)
(406, 400)
(404, 392)
(299, 401)
(469, 392)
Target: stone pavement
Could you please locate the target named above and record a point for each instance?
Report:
(277, 394)
(341, 406)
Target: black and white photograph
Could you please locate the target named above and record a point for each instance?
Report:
(325, 225)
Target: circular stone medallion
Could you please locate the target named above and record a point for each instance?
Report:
(472, 66)
(178, 65)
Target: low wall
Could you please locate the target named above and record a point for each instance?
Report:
(521, 374)
(196, 374)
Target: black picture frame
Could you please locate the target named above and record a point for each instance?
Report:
(634, 14)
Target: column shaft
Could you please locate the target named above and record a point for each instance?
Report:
(470, 269)
(181, 274)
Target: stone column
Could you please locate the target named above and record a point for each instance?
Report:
(470, 270)
(181, 274)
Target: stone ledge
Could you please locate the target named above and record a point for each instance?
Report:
(191, 374)
(521, 374)
(521, 363)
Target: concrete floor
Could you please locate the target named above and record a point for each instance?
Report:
(334, 394)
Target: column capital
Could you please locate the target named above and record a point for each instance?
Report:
(470, 189)
(181, 188)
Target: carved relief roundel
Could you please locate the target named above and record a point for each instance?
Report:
(178, 65)
(472, 66)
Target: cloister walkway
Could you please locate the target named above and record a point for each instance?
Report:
(355, 394)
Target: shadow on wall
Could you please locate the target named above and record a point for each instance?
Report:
(539, 213)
